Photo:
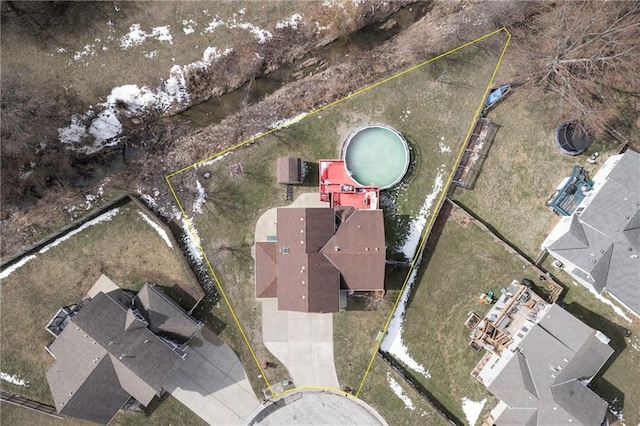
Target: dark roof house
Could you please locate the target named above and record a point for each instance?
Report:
(599, 244)
(116, 346)
(544, 379)
(289, 170)
(318, 252)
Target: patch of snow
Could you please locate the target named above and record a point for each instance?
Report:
(13, 379)
(115, 6)
(8, 271)
(211, 161)
(606, 301)
(192, 241)
(292, 22)
(134, 37)
(188, 25)
(215, 23)
(105, 126)
(397, 389)
(102, 218)
(418, 223)
(162, 34)
(321, 28)
(260, 34)
(151, 55)
(444, 148)
(392, 342)
(472, 409)
(201, 196)
(286, 122)
(90, 198)
(158, 228)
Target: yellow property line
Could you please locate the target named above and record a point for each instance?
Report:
(191, 228)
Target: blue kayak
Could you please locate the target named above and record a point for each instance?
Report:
(496, 94)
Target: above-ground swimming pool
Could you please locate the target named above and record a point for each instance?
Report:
(376, 155)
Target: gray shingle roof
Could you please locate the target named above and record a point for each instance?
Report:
(610, 225)
(107, 353)
(541, 382)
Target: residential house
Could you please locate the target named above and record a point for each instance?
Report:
(113, 346)
(318, 252)
(542, 371)
(599, 243)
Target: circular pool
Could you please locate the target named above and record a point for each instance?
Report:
(376, 155)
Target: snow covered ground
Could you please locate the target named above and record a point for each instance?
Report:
(101, 126)
(472, 409)
(392, 342)
(13, 379)
(158, 229)
(397, 389)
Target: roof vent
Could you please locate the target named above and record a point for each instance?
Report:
(304, 297)
(366, 249)
(302, 231)
(302, 219)
(336, 248)
(285, 250)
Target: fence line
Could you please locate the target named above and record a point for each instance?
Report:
(30, 404)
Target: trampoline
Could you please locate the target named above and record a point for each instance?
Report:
(376, 156)
(570, 140)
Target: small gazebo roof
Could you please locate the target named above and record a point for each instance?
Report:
(289, 170)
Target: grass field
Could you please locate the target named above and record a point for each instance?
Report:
(464, 263)
(378, 393)
(523, 169)
(125, 248)
(432, 106)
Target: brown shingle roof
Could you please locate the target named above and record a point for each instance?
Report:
(312, 256)
(289, 170)
(360, 255)
(266, 269)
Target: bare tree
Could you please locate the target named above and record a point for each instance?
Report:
(587, 52)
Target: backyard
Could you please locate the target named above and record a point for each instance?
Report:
(521, 172)
(433, 106)
(463, 263)
(120, 244)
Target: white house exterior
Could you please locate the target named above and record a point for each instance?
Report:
(599, 244)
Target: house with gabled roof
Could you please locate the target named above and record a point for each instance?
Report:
(599, 243)
(115, 346)
(542, 372)
(319, 252)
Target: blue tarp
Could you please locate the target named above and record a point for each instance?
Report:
(496, 94)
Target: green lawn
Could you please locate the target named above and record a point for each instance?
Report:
(432, 106)
(464, 262)
(125, 248)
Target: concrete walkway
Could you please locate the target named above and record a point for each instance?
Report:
(303, 342)
(212, 383)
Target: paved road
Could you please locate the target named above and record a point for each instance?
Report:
(317, 408)
(212, 383)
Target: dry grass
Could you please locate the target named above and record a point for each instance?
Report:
(523, 168)
(377, 392)
(160, 412)
(443, 294)
(125, 248)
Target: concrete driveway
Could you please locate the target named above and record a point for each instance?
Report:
(303, 342)
(212, 383)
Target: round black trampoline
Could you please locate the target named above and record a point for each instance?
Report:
(571, 140)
